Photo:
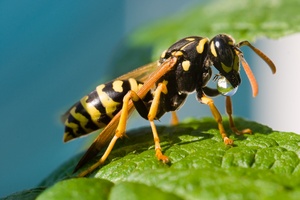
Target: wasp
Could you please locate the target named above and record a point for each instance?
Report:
(160, 87)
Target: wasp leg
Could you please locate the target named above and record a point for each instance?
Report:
(216, 114)
(119, 133)
(102, 159)
(161, 88)
(174, 118)
(150, 114)
(231, 122)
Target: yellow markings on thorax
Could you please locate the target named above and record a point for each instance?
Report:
(163, 54)
(108, 103)
(190, 39)
(177, 53)
(200, 46)
(186, 65)
(188, 44)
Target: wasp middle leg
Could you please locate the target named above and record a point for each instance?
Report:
(150, 112)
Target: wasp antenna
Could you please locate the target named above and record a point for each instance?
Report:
(250, 75)
(260, 54)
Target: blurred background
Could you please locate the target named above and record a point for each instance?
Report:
(52, 53)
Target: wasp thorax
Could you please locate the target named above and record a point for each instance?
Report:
(225, 88)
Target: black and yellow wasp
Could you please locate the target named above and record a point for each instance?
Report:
(160, 87)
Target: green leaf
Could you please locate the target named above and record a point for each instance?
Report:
(247, 19)
(136, 191)
(264, 165)
(81, 188)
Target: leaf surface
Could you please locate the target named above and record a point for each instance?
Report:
(263, 165)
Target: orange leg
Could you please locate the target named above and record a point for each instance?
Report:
(120, 132)
(174, 118)
(102, 159)
(216, 114)
(231, 122)
(151, 116)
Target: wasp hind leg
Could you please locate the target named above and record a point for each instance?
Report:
(231, 122)
(119, 132)
(102, 159)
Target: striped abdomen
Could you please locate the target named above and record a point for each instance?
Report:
(96, 110)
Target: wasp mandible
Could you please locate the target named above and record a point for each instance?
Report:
(161, 87)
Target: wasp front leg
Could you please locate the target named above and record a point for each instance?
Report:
(216, 114)
(231, 122)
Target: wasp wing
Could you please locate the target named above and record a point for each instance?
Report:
(141, 74)
(108, 132)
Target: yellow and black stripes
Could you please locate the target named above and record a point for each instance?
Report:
(96, 110)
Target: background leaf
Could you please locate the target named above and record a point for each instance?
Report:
(247, 19)
(244, 20)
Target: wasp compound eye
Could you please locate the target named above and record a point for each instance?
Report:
(224, 50)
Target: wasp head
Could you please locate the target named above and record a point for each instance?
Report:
(223, 55)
